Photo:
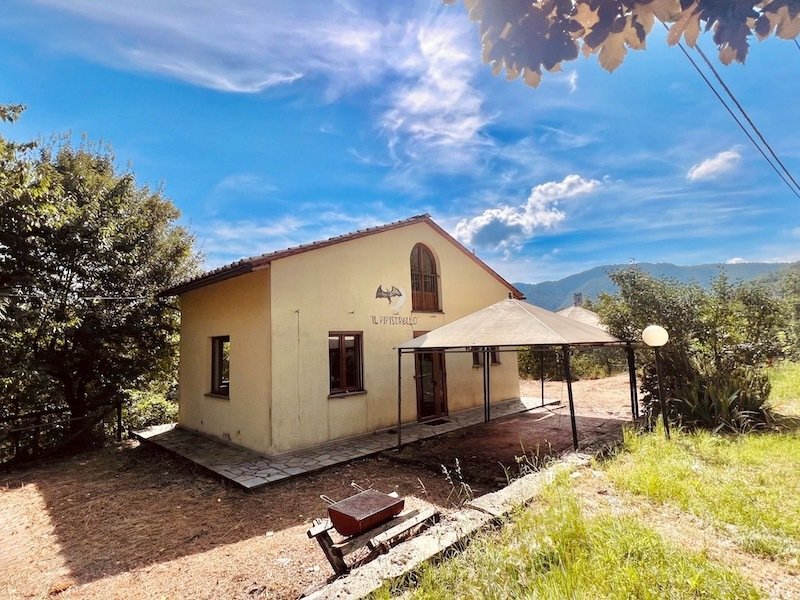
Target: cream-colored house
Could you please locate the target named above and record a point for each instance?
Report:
(295, 348)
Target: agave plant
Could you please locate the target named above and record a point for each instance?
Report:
(733, 401)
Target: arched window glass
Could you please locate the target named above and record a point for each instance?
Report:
(424, 279)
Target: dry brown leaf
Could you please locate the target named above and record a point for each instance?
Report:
(613, 52)
(692, 31)
(531, 77)
(645, 19)
(680, 28)
(586, 16)
(663, 10)
(727, 55)
(512, 72)
(631, 37)
(787, 28)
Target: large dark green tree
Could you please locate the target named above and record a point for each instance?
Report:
(526, 37)
(84, 252)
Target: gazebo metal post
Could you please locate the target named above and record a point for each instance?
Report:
(632, 379)
(541, 371)
(486, 385)
(568, 376)
(399, 398)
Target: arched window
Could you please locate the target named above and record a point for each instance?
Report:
(424, 279)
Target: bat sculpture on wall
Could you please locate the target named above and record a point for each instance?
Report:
(388, 294)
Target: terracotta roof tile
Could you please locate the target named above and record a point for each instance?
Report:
(246, 265)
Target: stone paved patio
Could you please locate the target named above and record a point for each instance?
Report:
(251, 470)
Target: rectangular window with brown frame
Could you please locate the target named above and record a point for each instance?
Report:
(220, 365)
(477, 356)
(345, 359)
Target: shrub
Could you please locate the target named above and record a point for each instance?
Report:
(591, 363)
(148, 409)
(734, 402)
(719, 339)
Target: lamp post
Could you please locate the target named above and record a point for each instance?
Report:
(656, 336)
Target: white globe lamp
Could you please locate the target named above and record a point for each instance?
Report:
(655, 336)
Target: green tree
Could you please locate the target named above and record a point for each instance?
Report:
(527, 37)
(84, 252)
(790, 290)
(719, 340)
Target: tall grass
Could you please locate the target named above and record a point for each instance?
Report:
(557, 552)
(785, 396)
(749, 486)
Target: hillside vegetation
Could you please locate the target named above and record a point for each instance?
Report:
(554, 295)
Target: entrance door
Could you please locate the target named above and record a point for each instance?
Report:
(431, 384)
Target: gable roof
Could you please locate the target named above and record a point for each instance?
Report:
(247, 265)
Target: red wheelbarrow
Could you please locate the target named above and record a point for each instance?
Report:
(368, 519)
(364, 511)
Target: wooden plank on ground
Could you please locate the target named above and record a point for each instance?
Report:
(399, 529)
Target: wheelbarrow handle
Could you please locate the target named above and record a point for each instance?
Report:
(327, 499)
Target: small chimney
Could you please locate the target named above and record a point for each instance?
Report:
(577, 299)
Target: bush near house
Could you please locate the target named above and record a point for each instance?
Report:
(720, 341)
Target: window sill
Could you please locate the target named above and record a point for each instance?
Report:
(346, 394)
(433, 312)
(219, 396)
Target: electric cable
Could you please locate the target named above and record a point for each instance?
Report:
(735, 118)
(744, 113)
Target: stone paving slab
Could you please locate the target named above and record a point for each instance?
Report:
(251, 470)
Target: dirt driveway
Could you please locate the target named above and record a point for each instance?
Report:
(134, 522)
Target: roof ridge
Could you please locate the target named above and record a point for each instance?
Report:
(247, 264)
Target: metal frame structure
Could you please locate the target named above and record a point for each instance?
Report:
(542, 348)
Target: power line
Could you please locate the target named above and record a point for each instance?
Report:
(735, 118)
(744, 112)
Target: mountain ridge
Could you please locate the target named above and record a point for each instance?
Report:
(557, 294)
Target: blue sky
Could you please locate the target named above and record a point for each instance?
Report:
(276, 123)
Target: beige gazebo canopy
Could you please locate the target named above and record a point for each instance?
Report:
(514, 324)
(583, 315)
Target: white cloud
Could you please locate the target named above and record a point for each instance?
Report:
(715, 166)
(244, 183)
(735, 261)
(245, 46)
(572, 81)
(436, 115)
(223, 242)
(507, 226)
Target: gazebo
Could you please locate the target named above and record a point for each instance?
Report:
(510, 325)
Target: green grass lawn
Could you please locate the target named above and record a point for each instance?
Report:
(785, 396)
(555, 551)
(748, 485)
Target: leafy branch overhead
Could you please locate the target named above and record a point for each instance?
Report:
(526, 36)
